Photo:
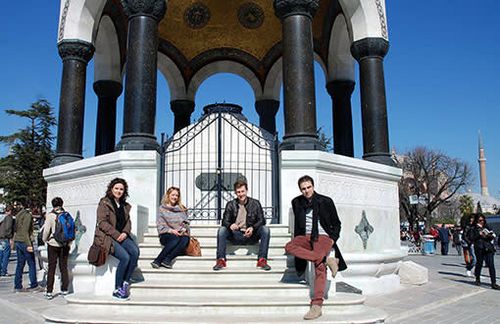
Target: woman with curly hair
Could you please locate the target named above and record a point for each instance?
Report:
(113, 233)
(173, 228)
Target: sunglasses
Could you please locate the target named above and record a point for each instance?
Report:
(481, 220)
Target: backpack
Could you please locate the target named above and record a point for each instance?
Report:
(65, 228)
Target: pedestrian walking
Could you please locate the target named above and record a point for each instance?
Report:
(6, 234)
(484, 246)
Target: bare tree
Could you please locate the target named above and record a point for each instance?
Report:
(430, 178)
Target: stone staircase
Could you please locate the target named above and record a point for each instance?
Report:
(192, 292)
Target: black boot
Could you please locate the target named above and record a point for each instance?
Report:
(495, 286)
(478, 282)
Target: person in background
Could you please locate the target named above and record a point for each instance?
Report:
(56, 251)
(483, 238)
(173, 228)
(24, 249)
(457, 238)
(113, 233)
(444, 237)
(468, 246)
(6, 234)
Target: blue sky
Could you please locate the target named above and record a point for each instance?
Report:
(441, 79)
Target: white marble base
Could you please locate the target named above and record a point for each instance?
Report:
(358, 188)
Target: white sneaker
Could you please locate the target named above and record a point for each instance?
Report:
(469, 273)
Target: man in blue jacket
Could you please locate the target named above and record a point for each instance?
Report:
(444, 237)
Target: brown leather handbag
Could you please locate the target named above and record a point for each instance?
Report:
(96, 255)
(193, 248)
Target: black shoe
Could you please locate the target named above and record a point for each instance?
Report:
(495, 286)
(478, 282)
(166, 264)
(155, 265)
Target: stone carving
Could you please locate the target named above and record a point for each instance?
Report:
(80, 229)
(63, 21)
(364, 229)
(369, 47)
(250, 15)
(383, 24)
(197, 15)
(76, 50)
(155, 8)
(285, 8)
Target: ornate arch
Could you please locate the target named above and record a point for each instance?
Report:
(223, 67)
(79, 19)
(107, 63)
(365, 18)
(173, 75)
(340, 60)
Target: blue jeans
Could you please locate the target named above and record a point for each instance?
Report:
(24, 256)
(173, 246)
(444, 247)
(236, 237)
(127, 252)
(472, 257)
(4, 256)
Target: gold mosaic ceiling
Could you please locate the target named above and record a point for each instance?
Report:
(197, 26)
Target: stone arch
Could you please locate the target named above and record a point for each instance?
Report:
(78, 19)
(223, 67)
(173, 75)
(107, 65)
(365, 18)
(340, 60)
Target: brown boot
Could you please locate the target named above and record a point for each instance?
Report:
(333, 264)
(314, 312)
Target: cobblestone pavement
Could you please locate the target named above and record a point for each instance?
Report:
(449, 297)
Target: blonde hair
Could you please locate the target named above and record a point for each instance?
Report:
(165, 200)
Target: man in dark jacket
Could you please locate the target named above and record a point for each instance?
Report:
(444, 237)
(6, 233)
(243, 223)
(24, 249)
(317, 229)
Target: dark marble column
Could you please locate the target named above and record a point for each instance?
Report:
(107, 92)
(340, 91)
(298, 73)
(267, 109)
(75, 55)
(182, 110)
(140, 78)
(370, 52)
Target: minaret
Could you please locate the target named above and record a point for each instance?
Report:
(482, 168)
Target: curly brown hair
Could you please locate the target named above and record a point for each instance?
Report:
(112, 183)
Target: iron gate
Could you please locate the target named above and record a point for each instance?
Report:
(206, 158)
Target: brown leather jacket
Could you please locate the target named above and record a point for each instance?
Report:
(105, 231)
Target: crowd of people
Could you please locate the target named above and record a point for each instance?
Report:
(317, 228)
(473, 238)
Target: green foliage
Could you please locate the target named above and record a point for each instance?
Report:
(325, 141)
(466, 205)
(30, 152)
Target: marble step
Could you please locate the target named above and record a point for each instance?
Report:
(153, 249)
(102, 315)
(210, 289)
(188, 274)
(211, 229)
(209, 239)
(233, 261)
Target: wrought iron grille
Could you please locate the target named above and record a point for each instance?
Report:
(206, 158)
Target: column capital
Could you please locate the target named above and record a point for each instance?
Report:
(154, 8)
(340, 87)
(369, 47)
(182, 107)
(285, 8)
(76, 50)
(108, 88)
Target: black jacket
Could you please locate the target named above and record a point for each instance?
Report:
(255, 215)
(483, 244)
(324, 207)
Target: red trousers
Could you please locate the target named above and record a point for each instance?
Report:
(300, 246)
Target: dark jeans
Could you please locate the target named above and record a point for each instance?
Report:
(173, 246)
(55, 254)
(127, 252)
(444, 247)
(469, 257)
(490, 263)
(4, 256)
(24, 256)
(236, 237)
